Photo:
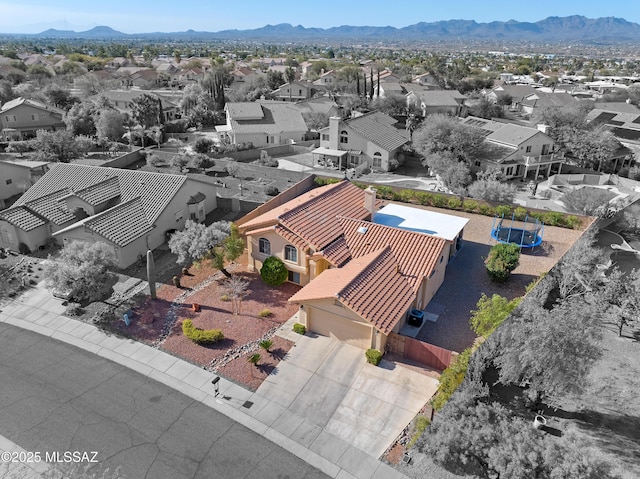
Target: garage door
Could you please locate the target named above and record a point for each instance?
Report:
(333, 326)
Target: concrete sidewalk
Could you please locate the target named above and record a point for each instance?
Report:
(38, 311)
(19, 470)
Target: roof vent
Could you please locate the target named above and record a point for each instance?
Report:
(362, 229)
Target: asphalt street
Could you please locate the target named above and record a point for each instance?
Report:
(56, 398)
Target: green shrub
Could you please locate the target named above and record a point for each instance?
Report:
(385, 192)
(201, 336)
(265, 313)
(362, 186)
(503, 258)
(438, 200)
(553, 218)
(254, 358)
(451, 378)
(373, 356)
(503, 210)
(486, 210)
(454, 203)
(422, 197)
(405, 196)
(225, 297)
(420, 425)
(273, 271)
(325, 181)
(572, 222)
(299, 328)
(265, 344)
(520, 212)
(470, 205)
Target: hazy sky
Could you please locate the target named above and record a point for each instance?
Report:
(140, 16)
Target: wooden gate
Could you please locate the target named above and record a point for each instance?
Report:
(424, 353)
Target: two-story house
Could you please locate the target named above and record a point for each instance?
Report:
(362, 268)
(121, 101)
(129, 210)
(294, 91)
(17, 176)
(429, 102)
(263, 123)
(518, 151)
(370, 140)
(21, 118)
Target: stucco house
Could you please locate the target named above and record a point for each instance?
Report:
(429, 102)
(294, 91)
(361, 275)
(121, 101)
(370, 140)
(17, 176)
(263, 123)
(518, 151)
(21, 118)
(129, 210)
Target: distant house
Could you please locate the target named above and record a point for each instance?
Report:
(622, 118)
(327, 79)
(17, 176)
(518, 151)
(540, 99)
(322, 105)
(517, 93)
(362, 268)
(129, 210)
(369, 140)
(121, 101)
(118, 62)
(295, 91)
(263, 123)
(429, 102)
(426, 79)
(21, 118)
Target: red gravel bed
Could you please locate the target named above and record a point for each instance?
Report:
(239, 330)
(252, 376)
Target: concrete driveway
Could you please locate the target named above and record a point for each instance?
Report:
(330, 388)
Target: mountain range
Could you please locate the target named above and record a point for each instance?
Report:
(605, 30)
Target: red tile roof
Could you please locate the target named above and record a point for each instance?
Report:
(417, 253)
(316, 221)
(371, 286)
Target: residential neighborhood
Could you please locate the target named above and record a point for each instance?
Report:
(365, 259)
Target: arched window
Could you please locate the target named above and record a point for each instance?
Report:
(344, 137)
(291, 253)
(377, 160)
(264, 245)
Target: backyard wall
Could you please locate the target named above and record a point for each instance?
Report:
(124, 160)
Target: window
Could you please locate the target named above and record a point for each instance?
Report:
(545, 149)
(179, 215)
(264, 246)
(34, 117)
(325, 137)
(294, 277)
(528, 150)
(477, 163)
(299, 92)
(11, 118)
(9, 181)
(509, 171)
(344, 137)
(291, 253)
(377, 160)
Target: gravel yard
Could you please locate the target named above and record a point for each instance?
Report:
(158, 322)
(466, 278)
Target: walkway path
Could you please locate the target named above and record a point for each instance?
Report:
(38, 311)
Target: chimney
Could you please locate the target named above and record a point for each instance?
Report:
(334, 132)
(370, 201)
(544, 128)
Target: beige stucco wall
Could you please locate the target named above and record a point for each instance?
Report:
(260, 139)
(33, 239)
(18, 177)
(46, 119)
(326, 318)
(277, 249)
